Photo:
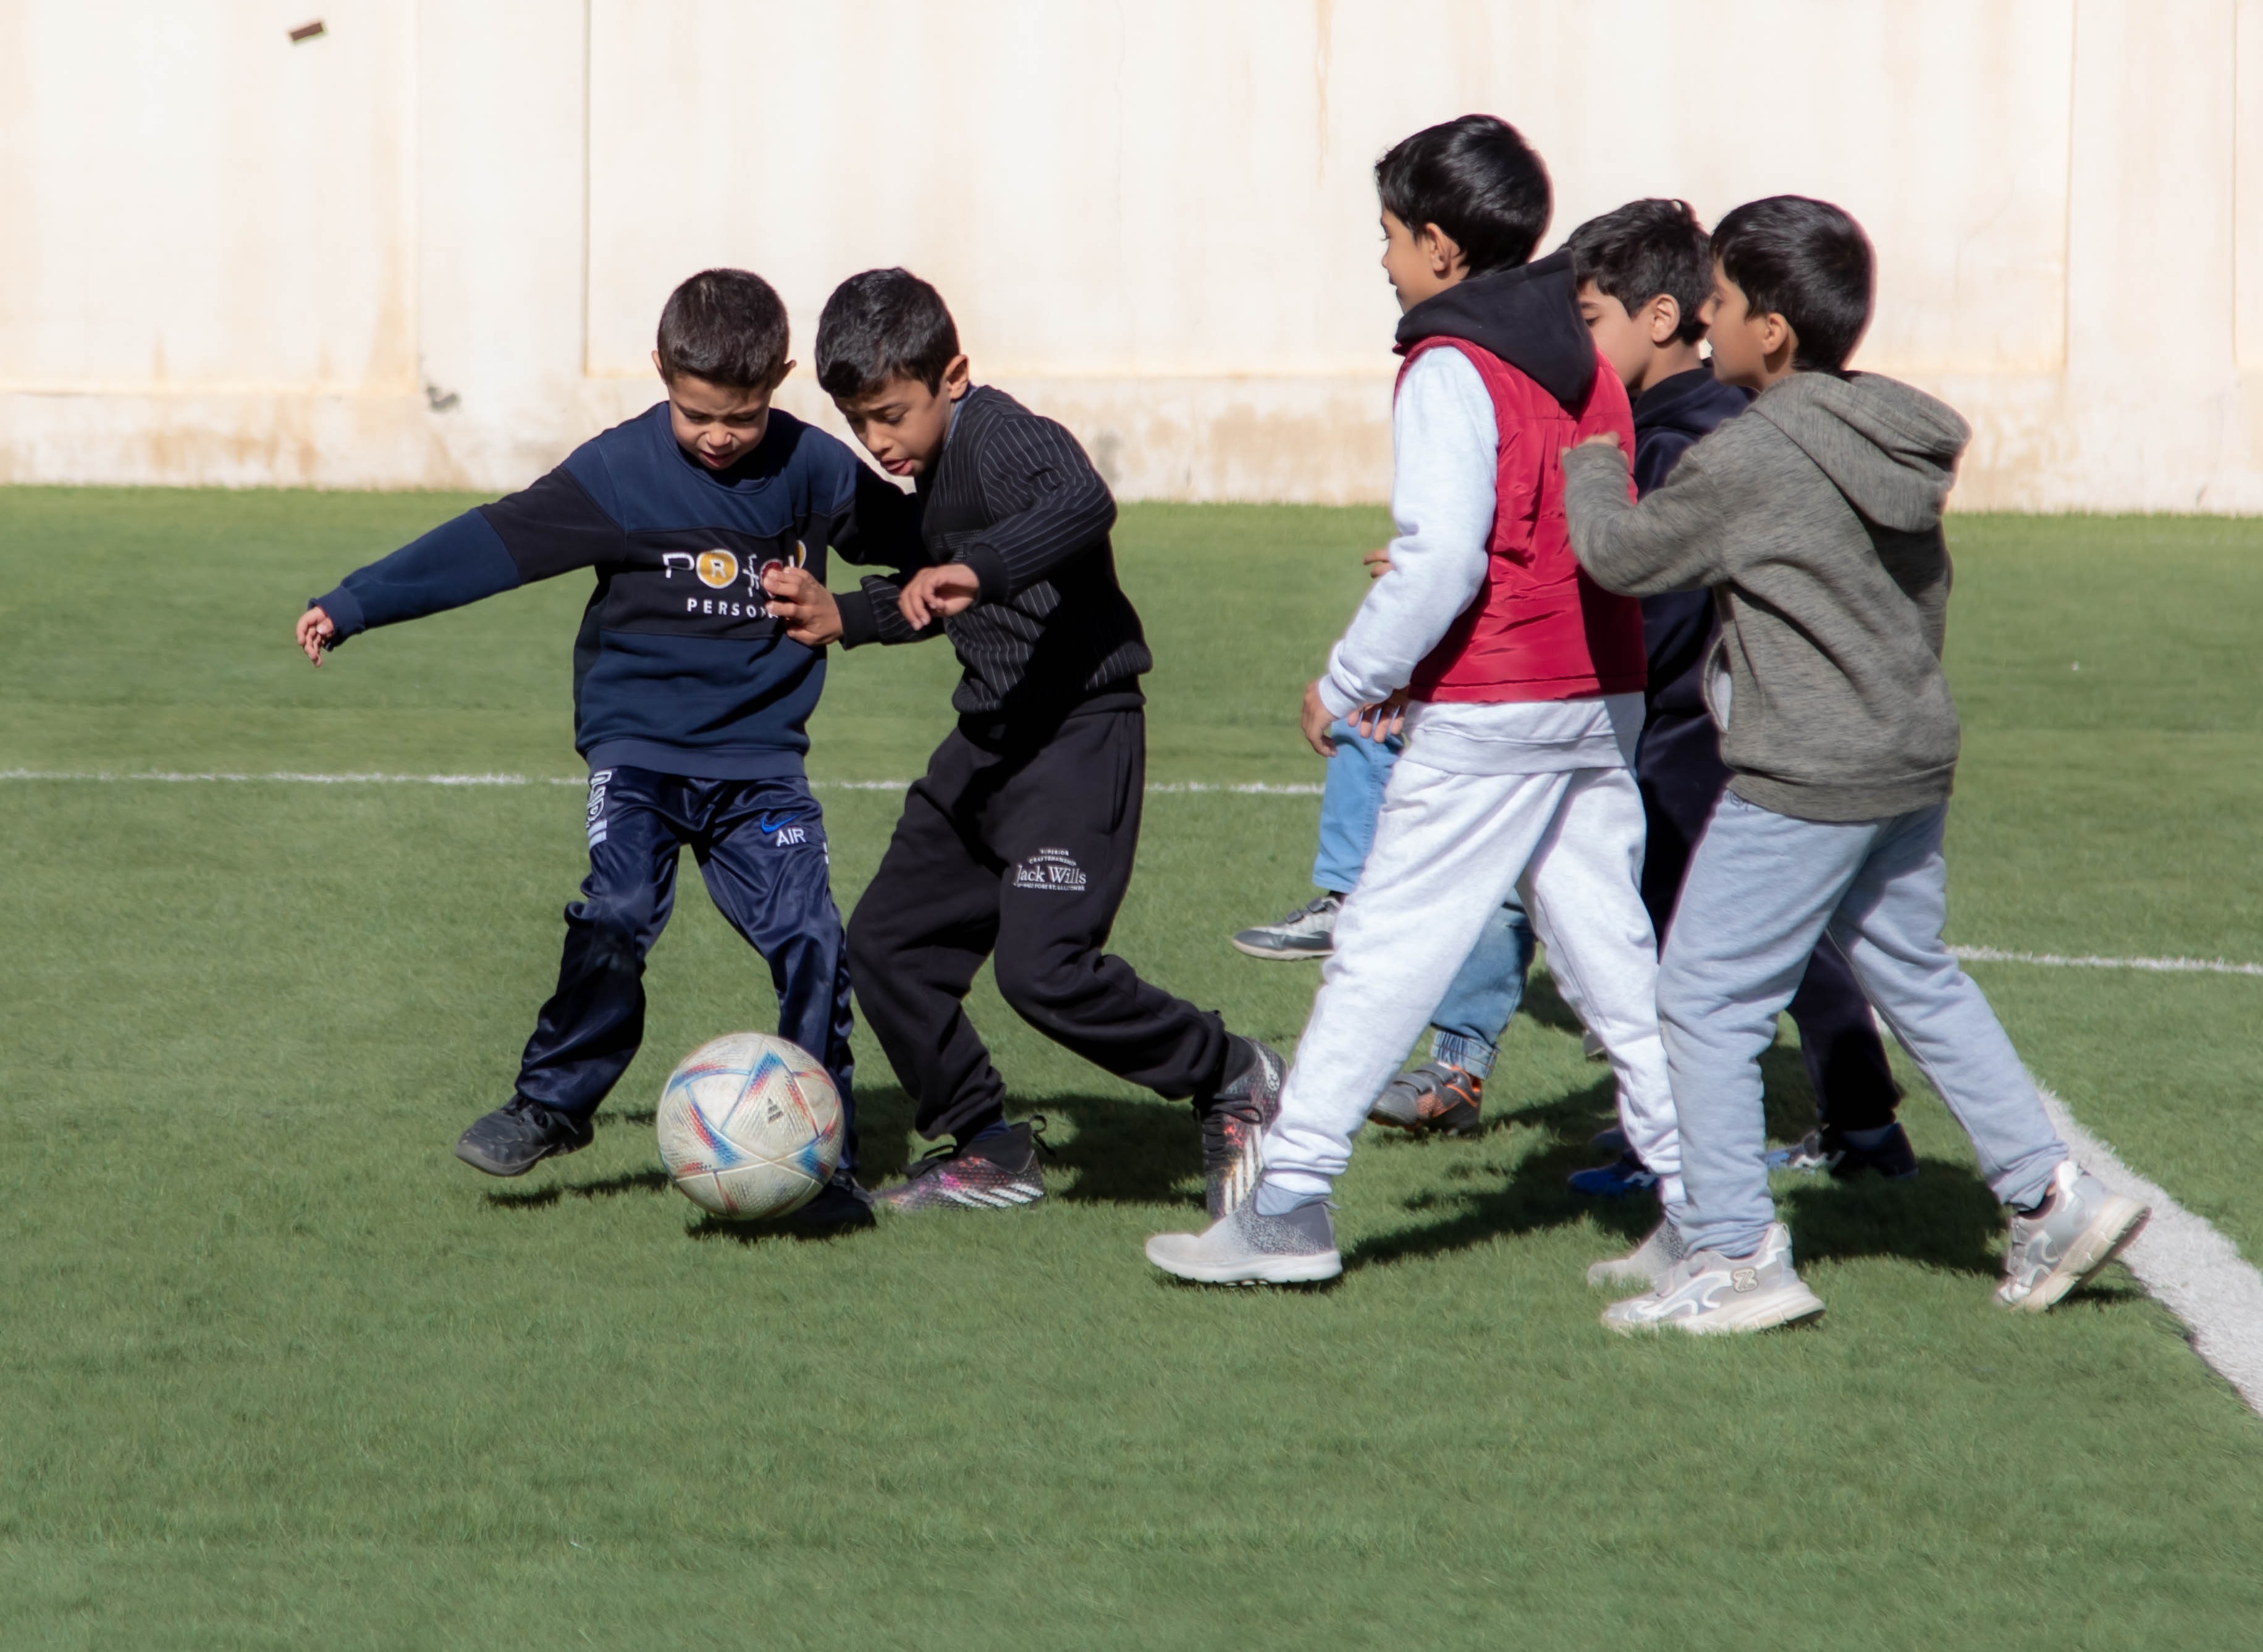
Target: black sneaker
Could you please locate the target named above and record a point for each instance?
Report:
(1893, 1158)
(518, 1135)
(1233, 1121)
(997, 1172)
(839, 1207)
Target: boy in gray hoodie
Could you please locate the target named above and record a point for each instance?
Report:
(1815, 521)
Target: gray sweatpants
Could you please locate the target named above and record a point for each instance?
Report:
(1763, 888)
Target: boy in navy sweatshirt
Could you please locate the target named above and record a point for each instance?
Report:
(1645, 273)
(690, 701)
(1017, 843)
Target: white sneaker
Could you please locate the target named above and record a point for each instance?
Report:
(2081, 1227)
(1310, 932)
(1647, 1264)
(1706, 1291)
(1244, 1248)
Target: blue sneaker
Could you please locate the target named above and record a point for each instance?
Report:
(1624, 1175)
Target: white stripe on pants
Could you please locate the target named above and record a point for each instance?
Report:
(1449, 848)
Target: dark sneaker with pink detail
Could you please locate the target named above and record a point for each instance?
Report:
(992, 1172)
(1234, 1121)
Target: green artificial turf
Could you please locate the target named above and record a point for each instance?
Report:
(279, 1371)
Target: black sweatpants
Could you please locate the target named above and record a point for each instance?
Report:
(1679, 770)
(1022, 852)
(761, 849)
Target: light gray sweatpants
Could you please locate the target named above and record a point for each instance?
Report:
(1449, 848)
(1763, 888)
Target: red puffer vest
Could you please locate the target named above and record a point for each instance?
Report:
(1540, 630)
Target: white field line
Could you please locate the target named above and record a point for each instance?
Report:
(167, 777)
(2056, 961)
(2185, 1265)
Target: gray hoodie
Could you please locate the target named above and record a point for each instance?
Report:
(1815, 519)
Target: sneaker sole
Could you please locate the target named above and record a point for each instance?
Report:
(2122, 1220)
(1423, 1127)
(964, 1199)
(1781, 1307)
(1275, 952)
(494, 1167)
(1258, 1270)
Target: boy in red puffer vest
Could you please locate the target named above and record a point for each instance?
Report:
(1520, 683)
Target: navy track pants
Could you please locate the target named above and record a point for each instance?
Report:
(762, 852)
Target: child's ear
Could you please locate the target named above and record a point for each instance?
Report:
(778, 378)
(956, 373)
(1440, 249)
(1665, 319)
(1777, 339)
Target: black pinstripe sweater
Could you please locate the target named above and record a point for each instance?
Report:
(1015, 498)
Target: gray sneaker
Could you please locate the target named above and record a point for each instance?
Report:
(1310, 932)
(1244, 1248)
(2083, 1225)
(1647, 1264)
(1706, 1291)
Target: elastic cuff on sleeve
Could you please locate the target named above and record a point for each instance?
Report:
(990, 569)
(857, 625)
(344, 610)
(1333, 696)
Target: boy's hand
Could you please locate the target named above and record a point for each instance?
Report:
(1315, 719)
(937, 593)
(799, 599)
(1384, 721)
(1378, 562)
(315, 633)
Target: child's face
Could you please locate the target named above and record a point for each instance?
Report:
(1751, 351)
(1630, 343)
(1421, 263)
(903, 423)
(718, 425)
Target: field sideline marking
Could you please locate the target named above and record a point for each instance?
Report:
(1247, 788)
(2185, 1265)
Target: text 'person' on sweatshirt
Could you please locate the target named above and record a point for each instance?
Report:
(678, 666)
(1815, 520)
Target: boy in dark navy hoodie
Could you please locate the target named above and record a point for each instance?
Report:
(689, 700)
(1017, 843)
(1645, 273)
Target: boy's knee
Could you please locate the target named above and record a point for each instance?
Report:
(617, 919)
(1039, 985)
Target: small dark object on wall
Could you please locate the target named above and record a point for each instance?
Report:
(307, 31)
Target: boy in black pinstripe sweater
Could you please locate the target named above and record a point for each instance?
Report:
(1017, 844)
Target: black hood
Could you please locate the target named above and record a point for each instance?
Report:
(1529, 316)
(1692, 402)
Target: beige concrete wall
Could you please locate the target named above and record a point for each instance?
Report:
(428, 247)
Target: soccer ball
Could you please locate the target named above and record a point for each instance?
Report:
(749, 1126)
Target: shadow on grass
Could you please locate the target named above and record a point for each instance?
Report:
(1946, 1218)
(603, 1187)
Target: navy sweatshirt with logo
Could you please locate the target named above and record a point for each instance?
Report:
(676, 667)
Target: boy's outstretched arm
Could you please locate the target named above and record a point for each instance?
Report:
(1672, 540)
(877, 524)
(548, 529)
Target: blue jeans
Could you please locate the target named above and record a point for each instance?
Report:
(1466, 1028)
(1763, 888)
